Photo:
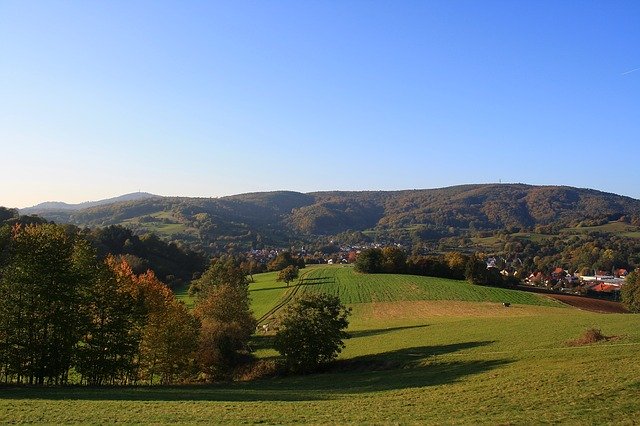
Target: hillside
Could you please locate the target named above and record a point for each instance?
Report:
(285, 217)
(58, 206)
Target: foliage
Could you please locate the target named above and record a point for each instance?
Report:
(631, 292)
(62, 307)
(40, 297)
(173, 263)
(394, 260)
(311, 332)
(288, 274)
(223, 309)
(477, 272)
(434, 217)
(108, 350)
(169, 331)
(284, 259)
(222, 270)
(369, 261)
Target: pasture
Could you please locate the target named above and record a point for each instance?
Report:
(422, 350)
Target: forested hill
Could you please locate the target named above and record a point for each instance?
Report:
(53, 206)
(274, 218)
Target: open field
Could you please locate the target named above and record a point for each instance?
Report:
(353, 287)
(410, 360)
(618, 228)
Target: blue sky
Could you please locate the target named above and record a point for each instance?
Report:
(204, 98)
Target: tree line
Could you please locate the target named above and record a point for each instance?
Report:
(66, 315)
(69, 315)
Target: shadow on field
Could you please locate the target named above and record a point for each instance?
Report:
(266, 341)
(270, 288)
(377, 331)
(396, 370)
(318, 280)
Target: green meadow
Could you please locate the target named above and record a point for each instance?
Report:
(422, 350)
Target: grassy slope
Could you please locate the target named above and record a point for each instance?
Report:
(353, 287)
(447, 362)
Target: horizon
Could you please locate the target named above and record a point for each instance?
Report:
(303, 192)
(214, 99)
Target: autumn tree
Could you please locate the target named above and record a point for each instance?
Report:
(456, 262)
(284, 259)
(223, 309)
(168, 332)
(109, 349)
(394, 260)
(288, 274)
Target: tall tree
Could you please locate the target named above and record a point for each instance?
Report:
(40, 302)
(108, 350)
(169, 334)
(226, 319)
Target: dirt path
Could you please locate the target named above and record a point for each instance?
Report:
(590, 304)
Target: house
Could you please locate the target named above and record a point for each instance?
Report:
(619, 273)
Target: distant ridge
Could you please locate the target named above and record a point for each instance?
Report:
(49, 206)
(279, 218)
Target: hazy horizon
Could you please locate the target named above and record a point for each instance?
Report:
(287, 189)
(220, 98)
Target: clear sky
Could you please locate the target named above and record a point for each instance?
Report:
(205, 98)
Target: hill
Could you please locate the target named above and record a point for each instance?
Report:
(285, 217)
(58, 206)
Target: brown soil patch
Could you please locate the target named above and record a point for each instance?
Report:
(448, 308)
(589, 304)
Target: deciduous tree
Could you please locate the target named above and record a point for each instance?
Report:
(311, 332)
(288, 274)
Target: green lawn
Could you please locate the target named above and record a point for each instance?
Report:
(411, 359)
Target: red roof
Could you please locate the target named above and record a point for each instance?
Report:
(605, 288)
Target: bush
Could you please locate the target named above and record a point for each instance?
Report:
(631, 292)
(311, 332)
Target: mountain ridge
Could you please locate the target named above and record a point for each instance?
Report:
(280, 218)
(62, 206)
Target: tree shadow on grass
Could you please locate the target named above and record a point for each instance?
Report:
(396, 370)
(265, 341)
(269, 288)
(318, 280)
(377, 331)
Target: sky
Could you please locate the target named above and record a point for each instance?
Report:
(208, 98)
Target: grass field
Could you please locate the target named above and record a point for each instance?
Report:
(413, 358)
(618, 228)
(353, 287)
